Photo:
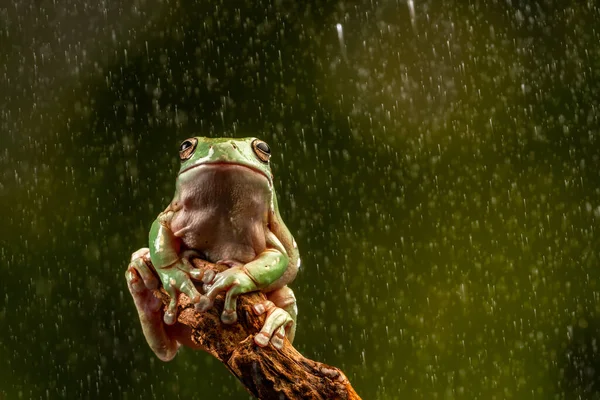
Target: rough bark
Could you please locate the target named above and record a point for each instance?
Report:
(267, 373)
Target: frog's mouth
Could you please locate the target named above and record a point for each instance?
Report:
(225, 164)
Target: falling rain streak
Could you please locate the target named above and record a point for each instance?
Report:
(411, 11)
(340, 33)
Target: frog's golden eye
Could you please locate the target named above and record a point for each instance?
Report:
(187, 147)
(262, 150)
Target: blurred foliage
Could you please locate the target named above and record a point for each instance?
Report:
(440, 175)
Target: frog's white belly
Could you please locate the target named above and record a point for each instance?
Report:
(224, 214)
(220, 238)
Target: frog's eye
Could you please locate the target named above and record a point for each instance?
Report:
(262, 150)
(187, 147)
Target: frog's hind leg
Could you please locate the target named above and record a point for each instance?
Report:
(280, 323)
(284, 298)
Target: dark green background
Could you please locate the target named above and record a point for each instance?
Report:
(443, 185)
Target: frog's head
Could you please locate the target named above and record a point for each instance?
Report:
(251, 153)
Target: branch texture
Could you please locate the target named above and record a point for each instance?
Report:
(267, 373)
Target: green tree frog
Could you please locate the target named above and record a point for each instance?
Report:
(225, 211)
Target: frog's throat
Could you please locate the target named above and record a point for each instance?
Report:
(226, 163)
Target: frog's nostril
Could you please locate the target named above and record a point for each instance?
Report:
(234, 146)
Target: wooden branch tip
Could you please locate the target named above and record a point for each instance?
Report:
(266, 372)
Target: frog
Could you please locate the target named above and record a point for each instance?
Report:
(224, 211)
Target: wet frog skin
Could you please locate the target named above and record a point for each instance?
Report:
(224, 210)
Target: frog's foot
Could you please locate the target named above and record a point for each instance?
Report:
(141, 281)
(177, 278)
(234, 281)
(139, 261)
(197, 274)
(284, 298)
(209, 274)
(276, 326)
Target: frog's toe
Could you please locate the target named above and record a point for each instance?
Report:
(141, 253)
(170, 316)
(190, 291)
(196, 274)
(230, 263)
(208, 277)
(188, 267)
(261, 339)
(204, 304)
(259, 308)
(278, 338)
(229, 316)
(134, 282)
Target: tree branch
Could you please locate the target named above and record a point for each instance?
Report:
(267, 373)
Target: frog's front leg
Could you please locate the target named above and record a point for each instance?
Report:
(164, 340)
(174, 270)
(255, 275)
(140, 282)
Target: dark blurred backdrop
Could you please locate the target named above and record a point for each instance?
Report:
(437, 162)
